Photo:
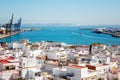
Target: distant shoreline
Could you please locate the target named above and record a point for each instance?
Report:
(113, 32)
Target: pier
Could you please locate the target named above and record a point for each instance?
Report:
(31, 29)
(13, 33)
(115, 32)
(8, 35)
(86, 28)
(10, 28)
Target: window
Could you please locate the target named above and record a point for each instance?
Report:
(19, 72)
(7, 67)
(20, 63)
(23, 64)
(11, 67)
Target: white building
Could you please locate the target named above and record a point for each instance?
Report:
(28, 67)
(73, 72)
(15, 45)
(56, 55)
(78, 71)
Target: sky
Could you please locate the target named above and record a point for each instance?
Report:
(61, 11)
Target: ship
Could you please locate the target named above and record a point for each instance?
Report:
(32, 29)
(116, 35)
(100, 30)
(81, 34)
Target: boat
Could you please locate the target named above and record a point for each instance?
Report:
(116, 35)
(98, 30)
(32, 29)
(81, 34)
(71, 32)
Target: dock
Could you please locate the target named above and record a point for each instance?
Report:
(13, 33)
(86, 28)
(9, 30)
(7, 35)
(113, 32)
(31, 29)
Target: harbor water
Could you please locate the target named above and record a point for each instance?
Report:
(67, 34)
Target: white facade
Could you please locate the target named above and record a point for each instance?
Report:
(28, 72)
(6, 75)
(17, 53)
(27, 62)
(32, 53)
(15, 45)
(56, 55)
(79, 73)
(28, 67)
(58, 71)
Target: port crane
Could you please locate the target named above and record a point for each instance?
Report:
(10, 25)
(17, 25)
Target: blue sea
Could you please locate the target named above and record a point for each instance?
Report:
(67, 34)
